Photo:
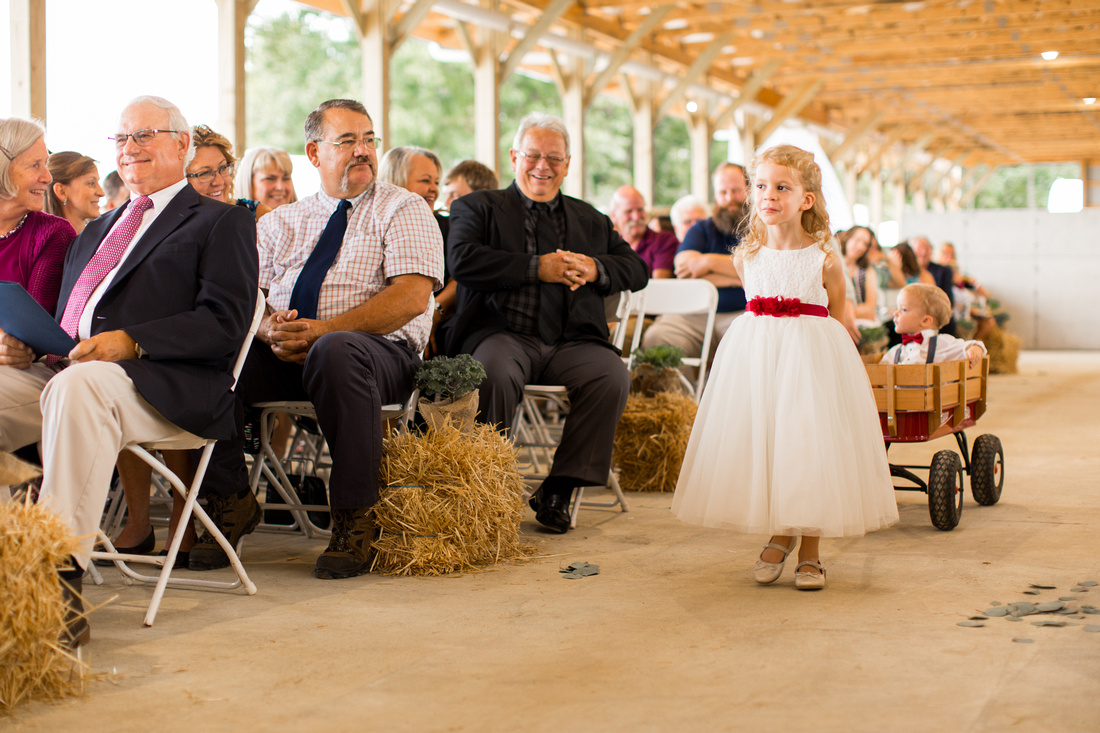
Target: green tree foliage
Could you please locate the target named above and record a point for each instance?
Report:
(1007, 189)
(293, 65)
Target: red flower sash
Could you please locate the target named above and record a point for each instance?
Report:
(781, 307)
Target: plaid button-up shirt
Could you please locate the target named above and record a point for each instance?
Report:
(390, 232)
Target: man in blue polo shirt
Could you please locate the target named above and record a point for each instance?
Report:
(705, 253)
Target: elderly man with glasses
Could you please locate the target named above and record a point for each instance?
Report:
(533, 267)
(349, 274)
(159, 294)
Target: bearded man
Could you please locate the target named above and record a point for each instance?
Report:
(705, 253)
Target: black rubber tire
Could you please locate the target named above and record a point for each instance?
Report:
(945, 490)
(987, 470)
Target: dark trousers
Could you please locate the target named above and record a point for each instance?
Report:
(595, 378)
(348, 376)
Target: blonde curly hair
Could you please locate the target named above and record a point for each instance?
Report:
(815, 220)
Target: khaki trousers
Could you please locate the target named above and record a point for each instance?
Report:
(84, 415)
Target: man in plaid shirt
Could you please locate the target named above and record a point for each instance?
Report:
(349, 274)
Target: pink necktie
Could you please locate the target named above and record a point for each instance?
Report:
(102, 262)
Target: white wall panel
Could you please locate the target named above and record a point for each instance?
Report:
(1043, 267)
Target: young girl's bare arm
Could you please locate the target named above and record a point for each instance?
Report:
(833, 280)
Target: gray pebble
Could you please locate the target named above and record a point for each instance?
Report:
(1024, 641)
(1049, 623)
(976, 624)
(1088, 583)
(999, 611)
(1078, 590)
(1013, 618)
(995, 603)
(1067, 598)
(1092, 629)
(1050, 606)
(1031, 592)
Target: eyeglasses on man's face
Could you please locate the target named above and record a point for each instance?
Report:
(533, 158)
(206, 175)
(141, 137)
(370, 142)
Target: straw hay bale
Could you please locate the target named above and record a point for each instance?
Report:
(651, 439)
(1004, 350)
(33, 544)
(451, 502)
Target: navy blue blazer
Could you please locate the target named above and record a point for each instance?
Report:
(487, 257)
(186, 295)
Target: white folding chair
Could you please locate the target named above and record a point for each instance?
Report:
(311, 459)
(190, 507)
(679, 297)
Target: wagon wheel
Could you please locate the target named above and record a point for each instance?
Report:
(987, 469)
(945, 490)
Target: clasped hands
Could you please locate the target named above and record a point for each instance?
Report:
(567, 268)
(289, 336)
(106, 346)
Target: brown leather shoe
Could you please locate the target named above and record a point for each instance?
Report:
(349, 552)
(235, 516)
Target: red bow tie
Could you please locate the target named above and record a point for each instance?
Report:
(912, 338)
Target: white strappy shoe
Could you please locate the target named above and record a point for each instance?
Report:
(809, 581)
(769, 572)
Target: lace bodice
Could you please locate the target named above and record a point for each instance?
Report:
(788, 273)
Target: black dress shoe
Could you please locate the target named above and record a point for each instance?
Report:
(183, 557)
(553, 513)
(145, 547)
(77, 632)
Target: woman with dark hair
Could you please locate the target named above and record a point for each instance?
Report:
(905, 268)
(75, 192)
(32, 243)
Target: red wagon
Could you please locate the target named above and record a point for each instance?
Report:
(922, 402)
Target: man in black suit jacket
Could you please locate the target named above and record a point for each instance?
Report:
(533, 268)
(158, 326)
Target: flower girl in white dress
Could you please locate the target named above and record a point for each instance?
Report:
(787, 439)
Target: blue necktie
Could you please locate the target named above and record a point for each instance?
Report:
(307, 289)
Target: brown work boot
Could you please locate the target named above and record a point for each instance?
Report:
(77, 631)
(349, 551)
(235, 516)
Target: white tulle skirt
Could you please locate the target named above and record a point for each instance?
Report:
(787, 438)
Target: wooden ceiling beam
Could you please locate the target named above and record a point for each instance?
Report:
(530, 39)
(622, 54)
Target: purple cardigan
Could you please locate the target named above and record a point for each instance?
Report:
(35, 255)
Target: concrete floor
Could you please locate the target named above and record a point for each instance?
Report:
(673, 635)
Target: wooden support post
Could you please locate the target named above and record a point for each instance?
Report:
(851, 183)
(642, 101)
(481, 44)
(372, 28)
(27, 34)
(899, 202)
(876, 198)
(232, 17)
(748, 136)
(572, 97)
(699, 132)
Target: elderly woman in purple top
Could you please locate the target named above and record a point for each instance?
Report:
(32, 243)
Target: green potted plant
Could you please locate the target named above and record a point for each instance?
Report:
(656, 369)
(448, 389)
